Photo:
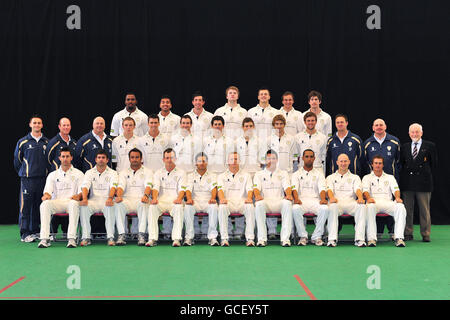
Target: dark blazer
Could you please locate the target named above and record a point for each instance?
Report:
(416, 174)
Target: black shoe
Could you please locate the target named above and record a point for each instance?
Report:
(409, 237)
(426, 239)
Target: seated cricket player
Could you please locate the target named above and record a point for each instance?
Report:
(272, 190)
(61, 194)
(378, 188)
(169, 186)
(345, 196)
(98, 190)
(235, 191)
(309, 191)
(132, 195)
(201, 193)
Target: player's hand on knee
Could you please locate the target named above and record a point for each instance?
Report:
(323, 201)
(154, 201)
(109, 202)
(248, 200)
(212, 201)
(84, 202)
(118, 199)
(371, 200)
(259, 198)
(360, 201)
(398, 200)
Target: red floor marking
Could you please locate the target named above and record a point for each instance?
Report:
(308, 292)
(11, 284)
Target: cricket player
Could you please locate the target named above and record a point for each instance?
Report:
(98, 190)
(345, 196)
(286, 148)
(133, 195)
(309, 191)
(201, 193)
(232, 113)
(378, 189)
(130, 110)
(263, 114)
(62, 193)
(251, 148)
(201, 119)
(216, 146)
(169, 121)
(169, 187)
(323, 119)
(312, 139)
(294, 118)
(31, 166)
(235, 191)
(185, 145)
(273, 194)
(122, 145)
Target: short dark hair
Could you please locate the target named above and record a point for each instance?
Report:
(308, 150)
(135, 150)
(131, 93)
(169, 150)
(186, 116)
(341, 115)
(378, 157)
(201, 154)
(287, 93)
(247, 119)
(314, 93)
(129, 119)
(166, 96)
(35, 115)
(217, 118)
(271, 151)
(66, 149)
(153, 116)
(263, 88)
(198, 94)
(102, 151)
(309, 114)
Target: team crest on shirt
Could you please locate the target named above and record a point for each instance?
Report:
(295, 118)
(389, 148)
(241, 179)
(279, 177)
(133, 182)
(386, 183)
(349, 143)
(240, 114)
(94, 146)
(107, 179)
(208, 180)
(288, 142)
(109, 145)
(172, 123)
(373, 148)
(44, 147)
(161, 142)
(349, 180)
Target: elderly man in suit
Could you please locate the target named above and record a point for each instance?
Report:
(418, 159)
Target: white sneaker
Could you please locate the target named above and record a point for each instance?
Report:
(225, 243)
(250, 243)
(141, 241)
(303, 241)
(187, 242)
(332, 243)
(150, 243)
(176, 243)
(399, 243)
(213, 242)
(286, 243)
(261, 243)
(44, 244)
(360, 243)
(29, 239)
(121, 240)
(372, 243)
(71, 243)
(318, 242)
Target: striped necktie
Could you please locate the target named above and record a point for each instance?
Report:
(414, 154)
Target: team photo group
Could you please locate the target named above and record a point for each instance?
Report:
(231, 174)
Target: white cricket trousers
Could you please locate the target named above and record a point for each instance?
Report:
(189, 214)
(351, 207)
(97, 204)
(129, 205)
(237, 206)
(50, 207)
(282, 206)
(394, 209)
(310, 206)
(156, 210)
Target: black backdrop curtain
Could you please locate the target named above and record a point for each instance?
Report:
(399, 73)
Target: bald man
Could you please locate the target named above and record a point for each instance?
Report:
(383, 144)
(418, 160)
(61, 140)
(85, 153)
(88, 145)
